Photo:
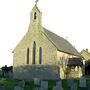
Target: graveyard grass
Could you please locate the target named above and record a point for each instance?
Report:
(9, 84)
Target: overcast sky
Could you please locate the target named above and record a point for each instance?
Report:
(67, 18)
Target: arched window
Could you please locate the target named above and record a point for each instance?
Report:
(27, 55)
(35, 15)
(34, 53)
(40, 55)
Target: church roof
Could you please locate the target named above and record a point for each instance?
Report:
(75, 62)
(61, 43)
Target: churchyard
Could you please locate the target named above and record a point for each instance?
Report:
(66, 84)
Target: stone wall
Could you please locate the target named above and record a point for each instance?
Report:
(75, 74)
(43, 72)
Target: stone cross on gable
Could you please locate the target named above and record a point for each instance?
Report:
(36, 1)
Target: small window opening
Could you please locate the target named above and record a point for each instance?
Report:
(34, 52)
(27, 55)
(40, 55)
(35, 15)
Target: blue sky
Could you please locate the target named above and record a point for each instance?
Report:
(67, 18)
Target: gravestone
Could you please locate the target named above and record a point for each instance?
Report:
(70, 82)
(36, 88)
(0, 73)
(88, 85)
(42, 88)
(73, 86)
(10, 74)
(59, 83)
(2, 87)
(21, 84)
(36, 81)
(44, 85)
(82, 82)
(18, 88)
(57, 88)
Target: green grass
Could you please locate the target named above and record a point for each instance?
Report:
(9, 84)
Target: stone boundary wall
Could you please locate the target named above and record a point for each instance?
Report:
(43, 72)
(74, 74)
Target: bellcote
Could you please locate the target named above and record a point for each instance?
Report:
(36, 16)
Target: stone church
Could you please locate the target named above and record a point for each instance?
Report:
(41, 53)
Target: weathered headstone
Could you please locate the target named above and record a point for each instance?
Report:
(44, 85)
(88, 85)
(2, 87)
(36, 88)
(21, 84)
(0, 73)
(36, 81)
(70, 82)
(18, 88)
(57, 88)
(59, 83)
(82, 82)
(43, 89)
(10, 74)
(73, 86)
